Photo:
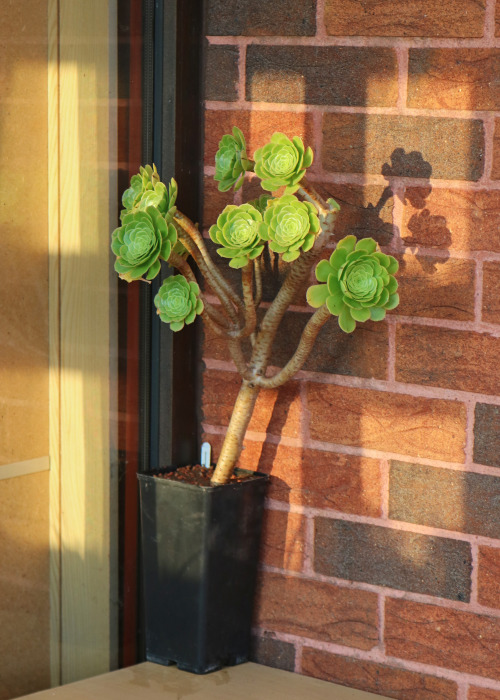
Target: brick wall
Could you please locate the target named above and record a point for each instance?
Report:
(381, 557)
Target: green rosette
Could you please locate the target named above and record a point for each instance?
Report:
(231, 161)
(141, 242)
(147, 190)
(282, 163)
(290, 226)
(359, 283)
(237, 232)
(178, 302)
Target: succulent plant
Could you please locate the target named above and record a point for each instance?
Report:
(231, 161)
(146, 190)
(261, 202)
(359, 283)
(177, 302)
(282, 162)
(290, 226)
(237, 231)
(140, 242)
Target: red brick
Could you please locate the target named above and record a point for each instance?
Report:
(456, 18)
(380, 420)
(364, 211)
(476, 693)
(489, 577)
(376, 678)
(491, 287)
(454, 639)
(357, 76)
(257, 126)
(455, 219)
(317, 610)
(221, 72)
(235, 17)
(436, 287)
(454, 79)
(213, 201)
(279, 415)
(495, 170)
(383, 556)
(283, 540)
(445, 498)
(450, 359)
(361, 143)
(497, 19)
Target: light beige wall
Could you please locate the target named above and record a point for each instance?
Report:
(24, 351)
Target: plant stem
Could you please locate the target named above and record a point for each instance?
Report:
(233, 443)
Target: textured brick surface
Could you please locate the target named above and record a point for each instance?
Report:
(273, 652)
(364, 211)
(384, 421)
(455, 219)
(322, 75)
(362, 143)
(476, 693)
(376, 678)
(257, 126)
(436, 287)
(495, 170)
(487, 434)
(275, 414)
(456, 18)
(317, 610)
(283, 540)
(221, 73)
(439, 636)
(445, 498)
(450, 359)
(489, 577)
(386, 557)
(454, 79)
(254, 18)
(491, 297)
(213, 201)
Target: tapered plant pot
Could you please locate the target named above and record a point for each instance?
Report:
(200, 547)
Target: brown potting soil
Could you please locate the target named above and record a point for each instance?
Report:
(199, 476)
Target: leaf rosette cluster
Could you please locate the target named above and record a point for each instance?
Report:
(147, 190)
(359, 283)
(282, 163)
(177, 302)
(237, 232)
(231, 161)
(143, 239)
(290, 226)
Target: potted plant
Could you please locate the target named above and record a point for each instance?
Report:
(200, 542)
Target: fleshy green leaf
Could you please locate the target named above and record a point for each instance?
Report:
(316, 295)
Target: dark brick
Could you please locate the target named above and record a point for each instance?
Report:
(213, 201)
(455, 18)
(273, 652)
(489, 577)
(361, 143)
(497, 19)
(221, 72)
(463, 360)
(487, 434)
(391, 422)
(431, 634)
(322, 75)
(385, 557)
(317, 610)
(495, 170)
(436, 287)
(256, 18)
(376, 678)
(455, 219)
(445, 498)
(491, 287)
(454, 79)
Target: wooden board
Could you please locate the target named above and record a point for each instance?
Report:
(245, 682)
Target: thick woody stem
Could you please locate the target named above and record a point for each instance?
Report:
(250, 313)
(258, 282)
(308, 337)
(233, 443)
(238, 358)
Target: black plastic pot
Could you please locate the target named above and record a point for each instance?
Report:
(200, 549)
